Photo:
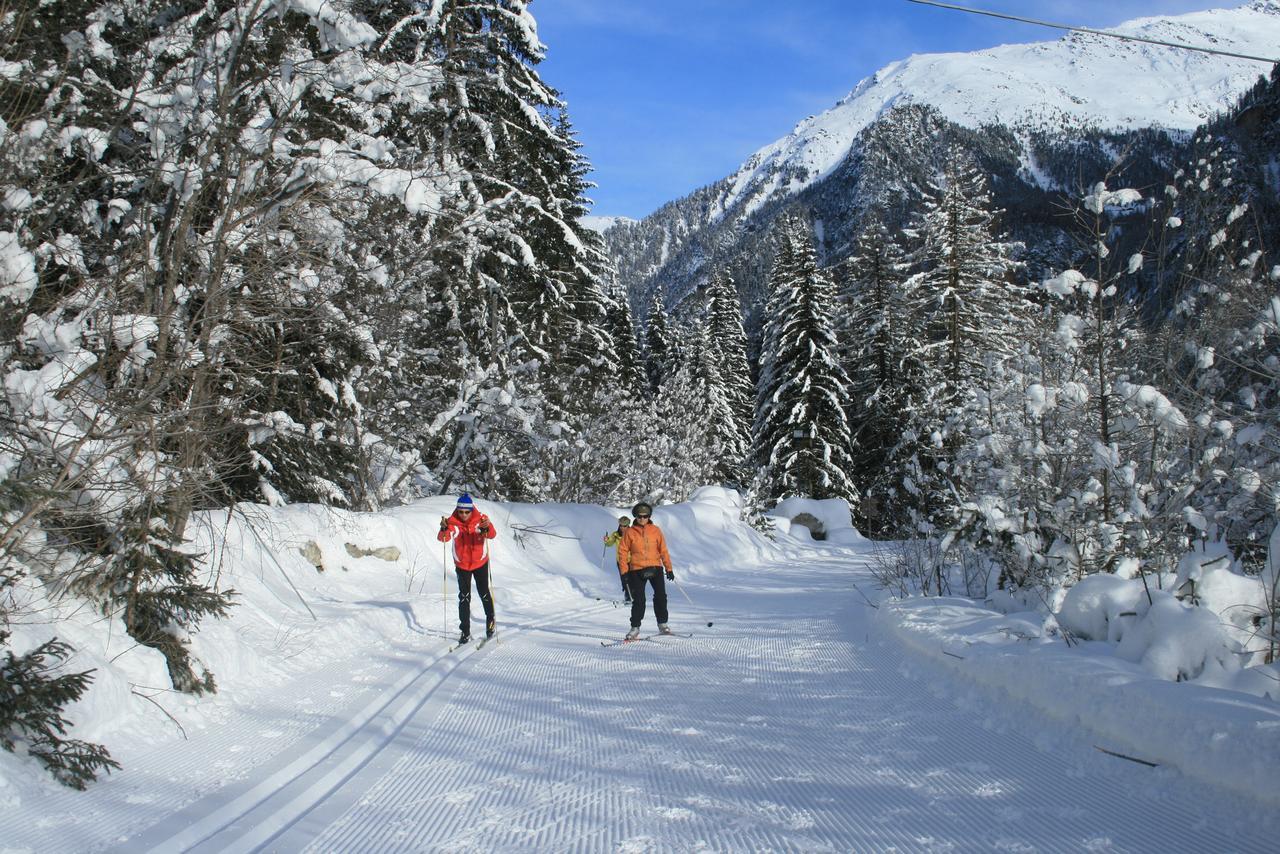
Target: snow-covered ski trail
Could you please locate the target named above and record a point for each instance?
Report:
(787, 726)
(781, 728)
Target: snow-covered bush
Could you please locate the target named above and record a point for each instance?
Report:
(1198, 624)
(1178, 641)
(1100, 607)
(914, 567)
(1270, 625)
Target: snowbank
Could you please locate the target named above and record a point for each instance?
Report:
(707, 531)
(1223, 737)
(1160, 668)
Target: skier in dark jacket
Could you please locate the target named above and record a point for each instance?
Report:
(642, 558)
(470, 531)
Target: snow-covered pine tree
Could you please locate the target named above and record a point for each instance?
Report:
(583, 375)
(802, 439)
(481, 399)
(517, 279)
(728, 340)
(659, 348)
(873, 328)
(630, 373)
(783, 272)
(702, 436)
(965, 289)
(609, 462)
(970, 309)
(566, 308)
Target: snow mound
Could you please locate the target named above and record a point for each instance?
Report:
(1098, 607)
(808, 518)
(1180, 642)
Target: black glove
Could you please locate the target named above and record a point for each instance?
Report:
(671, 576)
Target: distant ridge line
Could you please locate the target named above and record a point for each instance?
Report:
(1073, 29)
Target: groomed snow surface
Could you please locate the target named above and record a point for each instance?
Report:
(814, 715)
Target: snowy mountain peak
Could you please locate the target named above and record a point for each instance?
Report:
(602, 224)
(1079, 80)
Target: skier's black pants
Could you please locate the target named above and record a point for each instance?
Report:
(481, 576)
(636, 580)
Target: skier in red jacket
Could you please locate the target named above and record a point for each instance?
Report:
(470, 531)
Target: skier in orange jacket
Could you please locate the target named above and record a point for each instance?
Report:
(470, 531)
(642, 558)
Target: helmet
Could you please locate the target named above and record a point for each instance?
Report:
(642, 509)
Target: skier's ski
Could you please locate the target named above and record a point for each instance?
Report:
(621, 641)
(478, 642)
(647, 637)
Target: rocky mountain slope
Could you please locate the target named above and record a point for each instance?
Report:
(1043, 119)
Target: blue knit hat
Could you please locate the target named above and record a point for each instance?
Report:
(465, 502)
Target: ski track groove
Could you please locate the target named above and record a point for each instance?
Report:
(779, 729)
(185, 774)
(336, 754)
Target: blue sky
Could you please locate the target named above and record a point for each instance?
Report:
(669, 95)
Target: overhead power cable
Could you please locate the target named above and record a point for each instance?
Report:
(1106, 33)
